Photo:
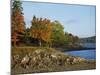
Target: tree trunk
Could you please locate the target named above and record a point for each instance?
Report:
(50, 44)
(15, 37)
(40, 43)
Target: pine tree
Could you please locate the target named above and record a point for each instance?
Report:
(17, 21)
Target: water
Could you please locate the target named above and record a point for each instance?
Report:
(88, 54)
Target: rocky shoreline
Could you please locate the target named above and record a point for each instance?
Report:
(36, 60)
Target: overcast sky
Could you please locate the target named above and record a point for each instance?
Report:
(76, 19)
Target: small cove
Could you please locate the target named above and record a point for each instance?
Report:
(88, 54)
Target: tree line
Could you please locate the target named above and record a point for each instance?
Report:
(43, 31)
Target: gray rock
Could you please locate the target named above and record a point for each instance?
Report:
(25, 61)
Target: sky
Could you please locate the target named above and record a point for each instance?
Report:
(76, 19)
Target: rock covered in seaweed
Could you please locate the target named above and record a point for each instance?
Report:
(40, 58)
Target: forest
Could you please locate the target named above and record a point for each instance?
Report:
(43, 32)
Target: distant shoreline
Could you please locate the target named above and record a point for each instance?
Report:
(66, 50)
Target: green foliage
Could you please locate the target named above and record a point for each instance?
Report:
(57, 33)
(70, 38)
(16, 5)
(27, 36)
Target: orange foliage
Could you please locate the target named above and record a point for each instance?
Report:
(17, 22)
(17, 25)
(41, 29)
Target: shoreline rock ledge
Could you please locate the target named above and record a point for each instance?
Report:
(42, 60)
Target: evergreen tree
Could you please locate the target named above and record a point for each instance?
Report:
(17, 20)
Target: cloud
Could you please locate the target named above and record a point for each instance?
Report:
(71, 21)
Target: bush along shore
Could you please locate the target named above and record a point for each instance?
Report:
(36, 60)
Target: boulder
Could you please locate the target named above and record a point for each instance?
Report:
(25, 61)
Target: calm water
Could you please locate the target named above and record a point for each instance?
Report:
(88, 54)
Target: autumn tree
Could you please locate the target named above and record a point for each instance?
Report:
(41, 29)
(17, 20)
(58, 35)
